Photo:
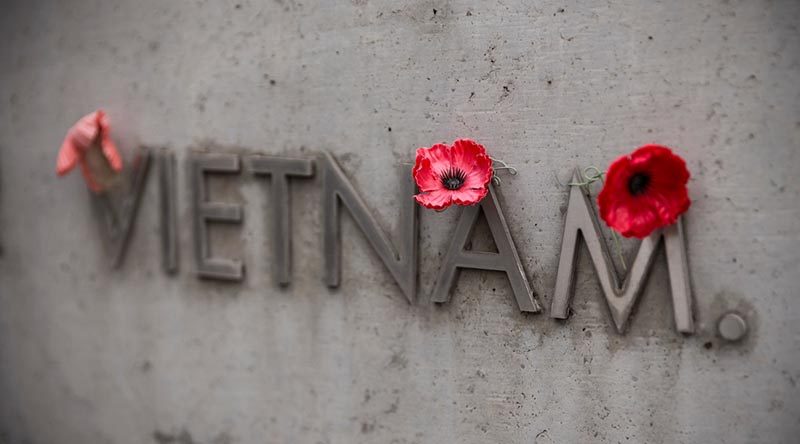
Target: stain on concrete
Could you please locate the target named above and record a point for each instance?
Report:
(182, 437)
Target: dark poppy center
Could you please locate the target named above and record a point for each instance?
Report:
(453, 178)
(638, 182)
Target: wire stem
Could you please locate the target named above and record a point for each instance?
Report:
(503, 166)
(590, 175)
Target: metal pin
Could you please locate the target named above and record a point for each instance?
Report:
(732, 326)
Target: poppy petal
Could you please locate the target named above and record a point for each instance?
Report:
(426, 178)
(464, 152)
(439, 156)
(437, 200)
(84, 132)
(67, 157)
(670, 174)
(636, 221)
(469, 196)
(481, 174)
(471, 157)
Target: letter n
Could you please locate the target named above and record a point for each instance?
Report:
(621, 297)
(402, 262)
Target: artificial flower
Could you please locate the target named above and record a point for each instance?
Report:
(91, 132)
(447, 175)
(644, 190)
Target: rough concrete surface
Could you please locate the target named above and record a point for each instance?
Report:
(135, 356)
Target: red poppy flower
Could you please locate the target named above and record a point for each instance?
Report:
(452, 175)
(91, 132)
(644, 190)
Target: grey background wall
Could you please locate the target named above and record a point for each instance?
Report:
(135, 356)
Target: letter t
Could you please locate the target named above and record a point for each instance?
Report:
(279, 169)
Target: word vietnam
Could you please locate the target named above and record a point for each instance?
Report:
(400, 257)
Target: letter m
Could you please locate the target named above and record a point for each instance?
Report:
(621, 297)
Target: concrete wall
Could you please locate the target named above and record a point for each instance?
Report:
(135, 356)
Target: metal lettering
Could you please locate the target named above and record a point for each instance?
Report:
(120, 204)
(208, 266)
(279, 169)
(622, 297)
(169, 212)
(402, 264)
(506, 259)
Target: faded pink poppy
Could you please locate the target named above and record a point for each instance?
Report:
(445, 175)
(92, 131)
